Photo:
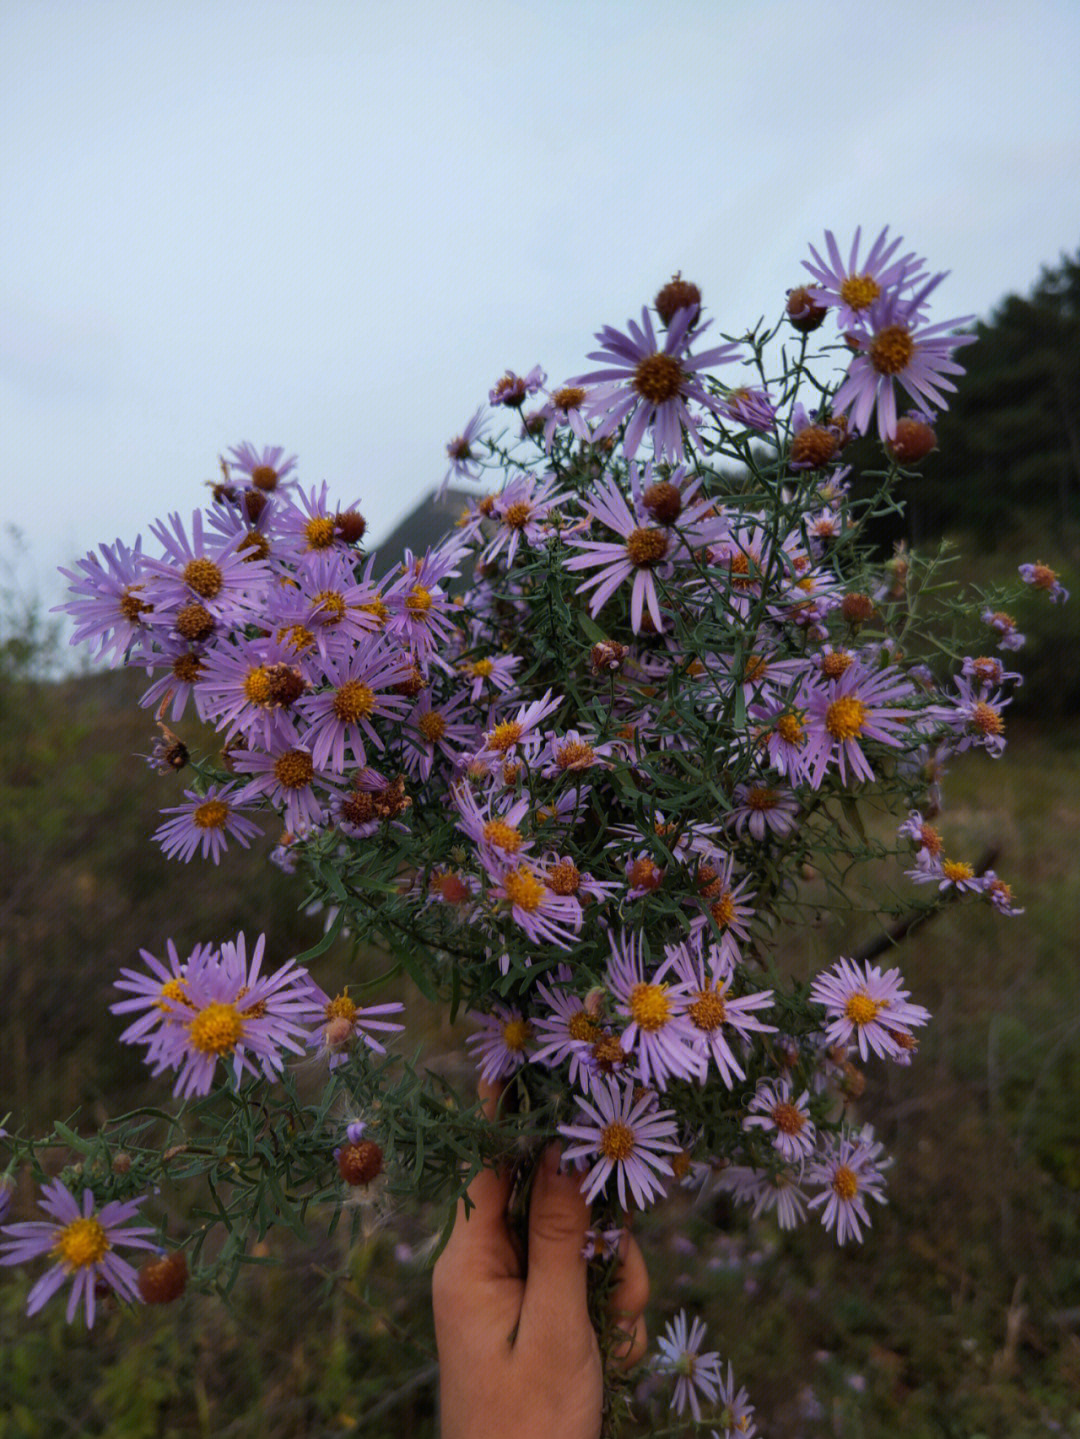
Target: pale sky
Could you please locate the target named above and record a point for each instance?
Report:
(332, 226)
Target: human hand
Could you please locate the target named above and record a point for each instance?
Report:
(518, 1355)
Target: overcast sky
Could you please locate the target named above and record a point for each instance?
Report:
(332, 226)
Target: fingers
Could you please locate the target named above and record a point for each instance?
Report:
(627, 1304)
(480, 1239)
(555, 1304)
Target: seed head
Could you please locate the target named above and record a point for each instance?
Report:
(165, 1279)
(360, 1163)
(678, 294)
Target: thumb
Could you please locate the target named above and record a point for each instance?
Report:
(555, 1299)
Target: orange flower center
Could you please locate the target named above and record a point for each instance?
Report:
(204, 577)
(646, 547)
(617, 1141)
(211, 814)
(658, 378)
(844, 718)
(891, 352)
(859, 291)
(650, 1007)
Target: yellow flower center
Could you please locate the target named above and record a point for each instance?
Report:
(844, 718)
(568, 398)
(432, 726)
(788, 1119)
(650, 1007)
(131, 607)
(194, 622)
(956, 870)
(646, 547)
(502, 835)
(353, 701)
(216, 1029)
(1043, 577)
(707, 1011)
(342, 1007)
(861, 1009)
(524, 889)
(658, 378)
(574, 754)
(418, 601)
(482, 669)
(756, 667)
(298, 636)
(257, 685)
(789, 727)
(264, 477)
(617, 1141)
(930, 839)
(986, 719)
(211, 814)
(581, 1026)
(564, 877)
(331, 607)
(254, 546)
(204, 577)
(723, 911)
(187, 668)
(892, 350)
(516, 1033)
(759, 798)
(172, 990)
(516, 516)
(81, 1243)
(859, 291)
(844, 1183)
(504, 736)
(294, 769)
(835, 663)
(319, 532)
(376, 608)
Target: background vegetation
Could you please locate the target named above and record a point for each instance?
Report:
(960, 1316)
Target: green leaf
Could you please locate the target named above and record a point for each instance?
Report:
(851, 813)
(591, 628)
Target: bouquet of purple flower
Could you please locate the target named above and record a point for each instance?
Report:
(571, 768)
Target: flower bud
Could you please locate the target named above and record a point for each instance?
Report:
(663, 502)
(165, 1279)
(678, 294)
(607, 656)
(803, 312)
(914, 440)
(351, 526)
(360, 1163)
(856, 608)
(121, 1163)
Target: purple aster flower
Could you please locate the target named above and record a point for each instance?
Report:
(1005, 626)
(1045, 579)
(763, 810)
(659, 1034)
(714, 1013)
(513, 390)
(999, 894)
(565, 407)
(264, 469)
(82, 1244)
(752, 408)
(208, 569)
(286, 776)
(494, 826)
(974, 717)
(893, 349)
(948, 874)
(342, 1022)
(644, 552)
(850, 1168)
(655, 384)
(521, 512)
(768, 1190)
(545, 916)
(464, 464)
(866, 1007)
(7, 1190)
(601, 1243)
(735, 1410)
(234, 1013)
(203, 822)
(420, 610)
(572, 753)
(626, 1135)
(855, 288)
(432, 729)
(307, 523)
(786, 1119)
(115, 599)
(339, 717)
(986, 670)
(849, 709)
(500, 1046)
(185, 668)
(494, 671)
(328, 602)
(248, 687)
(502, 740)
(698, 1374)
(566, 1032)
(161, 994)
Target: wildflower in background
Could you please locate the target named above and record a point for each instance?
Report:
(307, 523)
(496, 671)
(204, 821)
(601, 1243)
(866, 1007)
(776, 1189)
(928, 841)
(235, 1014)
(947, 874)
(496, 831)
(116, 600)
(999, 894)
(513, 390)
(655, 385)
(895, 348)
(501, 742)
(850, 1168)
(988, 671)
(420, 612)
(446, 729)
(81, 1242)
(854, 288)
(625, 1135)
(500, 1046)
(521, 514)
(565, 408)
(785, 1119)
(1044, 578)
(566, 1031)
(464, 464)
(264, 469)
(735, 1411)
(698, 1374)
(1004, 625)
